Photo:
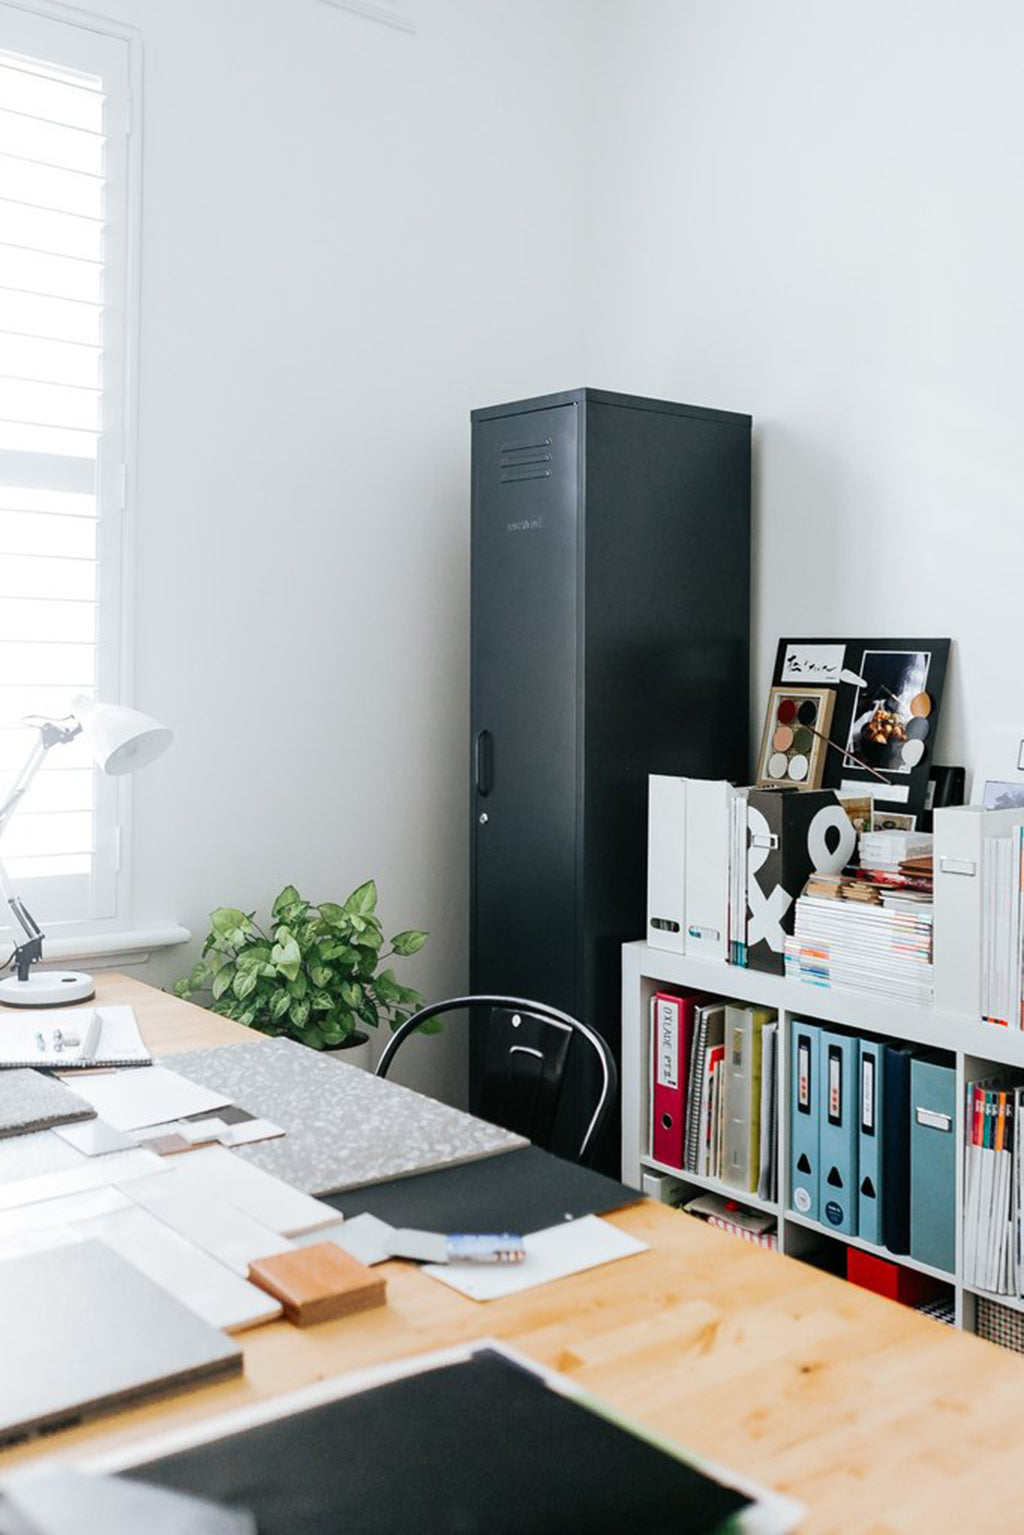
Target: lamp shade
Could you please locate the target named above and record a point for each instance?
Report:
(122, 740)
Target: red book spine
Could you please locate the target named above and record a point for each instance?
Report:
(671, 1019)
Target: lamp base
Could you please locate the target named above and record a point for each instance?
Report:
(47, 988)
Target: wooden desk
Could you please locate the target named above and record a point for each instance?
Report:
(876, 1419)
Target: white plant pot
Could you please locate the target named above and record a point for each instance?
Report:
(357, 1052)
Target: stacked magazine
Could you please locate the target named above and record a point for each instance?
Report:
(869, 929)
(993, 1187)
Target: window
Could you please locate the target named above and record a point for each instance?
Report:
(65, 306)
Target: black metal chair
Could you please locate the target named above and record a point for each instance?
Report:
(525, 1056)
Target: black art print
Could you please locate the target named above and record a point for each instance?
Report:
(881, 710)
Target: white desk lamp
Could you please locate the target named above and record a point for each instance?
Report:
(121, 740)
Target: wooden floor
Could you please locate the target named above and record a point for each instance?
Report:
(876, 1419)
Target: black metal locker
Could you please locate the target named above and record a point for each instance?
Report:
(610, 639)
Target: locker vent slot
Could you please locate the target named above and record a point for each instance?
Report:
(524, 472)
(525, 461)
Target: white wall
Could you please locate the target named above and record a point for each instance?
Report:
(811, 212)
(351, 236)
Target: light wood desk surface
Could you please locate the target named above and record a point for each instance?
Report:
(876, 1419)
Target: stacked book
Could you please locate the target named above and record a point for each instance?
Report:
(713, 1099)
(870, 928)
(900, 859)
(726, 1215)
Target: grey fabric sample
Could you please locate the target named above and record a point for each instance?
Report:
(82, 1330)
(71, 1502)
(30, 1101)
(345, 1128)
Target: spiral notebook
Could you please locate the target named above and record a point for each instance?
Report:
(71, 1039)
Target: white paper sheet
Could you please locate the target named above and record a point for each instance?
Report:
(552, 1254)
(131, 1100)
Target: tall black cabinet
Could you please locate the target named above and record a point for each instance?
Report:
(610, 639)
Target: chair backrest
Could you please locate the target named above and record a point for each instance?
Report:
(525, 1054)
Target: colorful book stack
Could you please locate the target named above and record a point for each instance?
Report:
(713, 1101)
(871, 928)
(872, 1144)
(992, 1187)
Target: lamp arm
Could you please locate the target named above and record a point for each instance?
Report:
(51, 733)
(19, 788)
(30, 951)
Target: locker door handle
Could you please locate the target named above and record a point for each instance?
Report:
(483, 762)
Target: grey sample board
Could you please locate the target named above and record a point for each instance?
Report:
(30, 1101)
(480, 1445)
(522, 1191)
(82, 1331)
(344, 1127)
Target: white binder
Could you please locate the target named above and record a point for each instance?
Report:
(706, 928)
(688, 865)
(666, 862)
(958, 852)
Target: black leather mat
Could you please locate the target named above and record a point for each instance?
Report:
(483, 1445)
(521, 1191)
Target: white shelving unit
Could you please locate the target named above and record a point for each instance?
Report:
(976, 1049)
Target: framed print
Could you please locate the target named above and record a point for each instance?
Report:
(795, 738)
(887, 696)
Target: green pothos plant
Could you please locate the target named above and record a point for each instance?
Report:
(314, 973)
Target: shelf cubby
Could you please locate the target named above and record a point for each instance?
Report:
(975, 1049)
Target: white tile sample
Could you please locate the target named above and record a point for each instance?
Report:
(206, 1286)
(215, 1171)
(30, 1156)
(88, 1173)
(94, 1137)
(219, 1228)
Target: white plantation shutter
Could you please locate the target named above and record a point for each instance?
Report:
(64, 126)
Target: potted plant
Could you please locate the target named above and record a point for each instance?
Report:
(316, 974)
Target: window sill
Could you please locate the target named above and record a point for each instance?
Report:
(108, 950)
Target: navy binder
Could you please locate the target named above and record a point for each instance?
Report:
(870, 1171)
(837, 1155)
(896, 1150)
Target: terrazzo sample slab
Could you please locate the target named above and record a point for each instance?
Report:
(344, 1128)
